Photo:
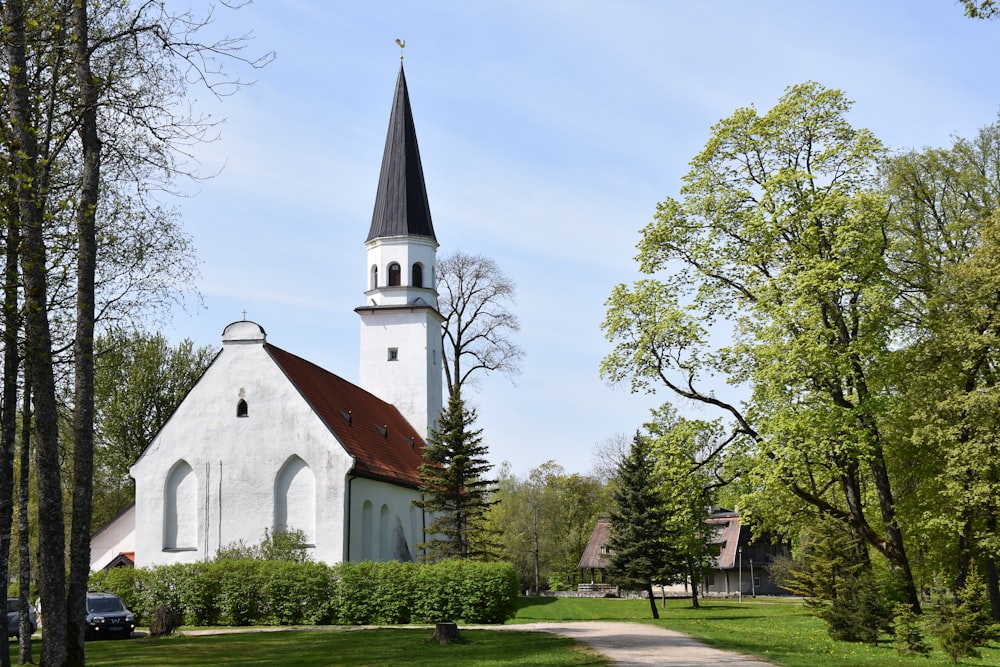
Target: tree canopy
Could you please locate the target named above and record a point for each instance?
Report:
(850, 295)
(781, 235)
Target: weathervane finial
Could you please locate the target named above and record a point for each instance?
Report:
(402, 45)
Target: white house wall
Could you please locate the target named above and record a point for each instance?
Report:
(412, 381)
(117, 537)
(385, 524)
(238, 465)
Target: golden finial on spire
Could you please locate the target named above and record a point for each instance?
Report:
(402, 45)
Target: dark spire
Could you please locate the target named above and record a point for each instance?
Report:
(401, 207)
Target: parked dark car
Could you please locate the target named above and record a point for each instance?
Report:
(107, 617)
(14, 618)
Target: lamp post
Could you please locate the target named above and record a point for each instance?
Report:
(739, 550)
(753, 582)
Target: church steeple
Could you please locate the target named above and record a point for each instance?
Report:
(401, 207)
(400, 323)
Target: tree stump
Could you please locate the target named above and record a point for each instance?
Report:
(445, 632)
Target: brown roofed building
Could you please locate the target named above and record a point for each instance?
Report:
(742, 566)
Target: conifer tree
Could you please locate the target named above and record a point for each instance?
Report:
(641, 545)
(456, 492)
(961, 621)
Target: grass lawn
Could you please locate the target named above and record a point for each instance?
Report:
(403, 646)
(777, 630)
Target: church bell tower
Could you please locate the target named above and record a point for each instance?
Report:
(400, 323)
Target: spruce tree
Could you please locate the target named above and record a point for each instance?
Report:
(642, 548)
(456, 492)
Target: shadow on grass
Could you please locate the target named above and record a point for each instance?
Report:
(528, 602)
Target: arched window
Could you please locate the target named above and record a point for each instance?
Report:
(374, 278)
(295, 498)
(418, 275)
(180, 508)
(241, 409)
(366, 530)
(394, 275)
(383, 534)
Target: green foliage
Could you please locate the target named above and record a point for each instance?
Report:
(543, 522)
(831, 568)
(298, 593)
(908, 633)
(371, 593)
(139, 381)
(946, 248)
(456, 492)
(690, 464)
(558, 583)
(828, 553)
(961, 621)
(258, 592)
(782, 269)
(641, 544)
(860, 612)
(464, 591)
(279, 545)
(240, 585)
(981, 9)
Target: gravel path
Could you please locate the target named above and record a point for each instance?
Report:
(641, 644)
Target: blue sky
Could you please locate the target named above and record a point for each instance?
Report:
(548, 131)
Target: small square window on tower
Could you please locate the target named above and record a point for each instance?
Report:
(393, 354)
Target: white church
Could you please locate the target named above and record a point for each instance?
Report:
(266, 440)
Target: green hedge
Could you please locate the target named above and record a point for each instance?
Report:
(256, 592)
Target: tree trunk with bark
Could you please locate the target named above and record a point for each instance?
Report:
(38, 339)
(83, 346)
(11, 365)
(24, 656)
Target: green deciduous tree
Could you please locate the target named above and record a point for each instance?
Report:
(90, 125)
(457, 493)
(781, 236)
(689, 462)
(543, 522)
(140, 380)
(944, 257)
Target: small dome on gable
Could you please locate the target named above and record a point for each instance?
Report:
(243, 331)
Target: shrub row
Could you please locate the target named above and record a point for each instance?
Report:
(256, 592)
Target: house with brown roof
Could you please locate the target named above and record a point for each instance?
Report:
(268, 441)
(742, 565)
(595, 555)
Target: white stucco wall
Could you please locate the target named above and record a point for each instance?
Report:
(405, 251)
(413, 381)
(229, 474)
(385, 524)
(115, 538)
(238, 464)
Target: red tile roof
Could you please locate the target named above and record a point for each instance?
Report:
(382, 442)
